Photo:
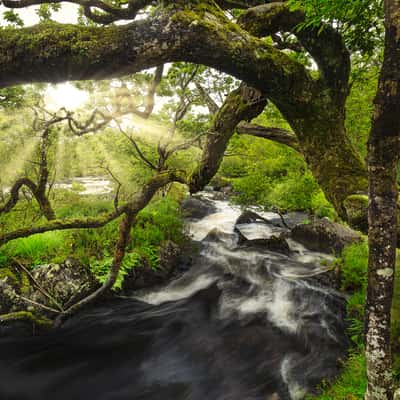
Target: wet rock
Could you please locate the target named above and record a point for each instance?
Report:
(329, 279)
(66, 284)
(273, 243)
(14, 283)
(196, 208)
(218, 236)
(169, 255)
(250, 217)
(219, 196)
(295, 218)
(324, 236)
(25, 301)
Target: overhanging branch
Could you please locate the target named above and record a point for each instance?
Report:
(278, 135)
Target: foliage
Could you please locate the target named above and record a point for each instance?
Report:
(35, 250)
(354, 267)
(272, 175)
(158, 222)
(359, 21)
(359, 104)
(155, 224)
(101, 268)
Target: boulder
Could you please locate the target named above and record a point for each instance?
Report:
(13, 284)
(218, 236)
(273, 243)
(24, 298)
(250, 217)
(356, 207)
(66, 283)
(196, 208)
(218, 183)
(324, 236)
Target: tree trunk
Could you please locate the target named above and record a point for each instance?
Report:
(382, 161)
(333, 161)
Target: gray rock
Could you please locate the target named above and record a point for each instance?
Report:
(250, 217)
(66, 283)
(197, 208)
(324, 236)
(273, 243)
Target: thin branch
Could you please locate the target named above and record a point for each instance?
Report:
(136, 147)
(38, 304)
(117, 181)
(109, 13)
(43, 291)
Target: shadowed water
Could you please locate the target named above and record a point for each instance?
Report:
(241, 324)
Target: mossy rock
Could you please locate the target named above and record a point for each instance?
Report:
(8, 275)
(13, 284)
(356, 207)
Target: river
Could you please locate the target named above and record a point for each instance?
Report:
(242, 323)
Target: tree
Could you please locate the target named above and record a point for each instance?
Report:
(201, 32)
(162, 174)
(383, 156)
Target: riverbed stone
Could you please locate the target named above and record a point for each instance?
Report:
(324, 236)
(273, 243)
(197, 208)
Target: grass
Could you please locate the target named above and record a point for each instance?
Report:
(37, 249)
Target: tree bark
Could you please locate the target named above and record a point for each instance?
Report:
(244, 103)
(277, 135)
(383, 155)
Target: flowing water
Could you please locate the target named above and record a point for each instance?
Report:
(242, 323)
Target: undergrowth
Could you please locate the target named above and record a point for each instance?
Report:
(159, 222)
(351, 384)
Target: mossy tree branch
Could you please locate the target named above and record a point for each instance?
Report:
(244, 103)
(277, 135)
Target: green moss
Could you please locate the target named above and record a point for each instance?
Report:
(19, 281)
(27, 316)
(76, 45)
(10, 275)
(357, 211)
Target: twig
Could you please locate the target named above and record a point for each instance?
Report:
(43, 291)
(38, 304)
